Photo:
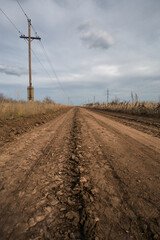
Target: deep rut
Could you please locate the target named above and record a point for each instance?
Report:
(69, 196)
(78, 219)
(80, 184)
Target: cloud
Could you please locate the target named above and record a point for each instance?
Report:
(95, 37)
(13, 70)
(98, 39)
(106, 70)
(132, 63)
(85, 25)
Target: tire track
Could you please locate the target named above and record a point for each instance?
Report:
(142, 224)
(78, 219)
(54, 192)
(148, 125)
(80, 187)
(17, 213)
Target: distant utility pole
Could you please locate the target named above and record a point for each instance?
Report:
(30, 89)
(94, 99)
(107, 94)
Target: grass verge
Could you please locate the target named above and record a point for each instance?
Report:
(142, 109)
(9, 110)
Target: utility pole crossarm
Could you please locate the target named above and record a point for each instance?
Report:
(32, 38)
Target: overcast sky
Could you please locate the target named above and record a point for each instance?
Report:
(92, 44)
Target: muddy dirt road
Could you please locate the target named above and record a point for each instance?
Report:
(81, 175)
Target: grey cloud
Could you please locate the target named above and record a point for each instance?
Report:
(103, 3)
(86, 25)
(95, 37)
(60, 3)
(13, 71)
(133, 24)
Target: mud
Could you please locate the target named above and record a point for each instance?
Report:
(81, 175)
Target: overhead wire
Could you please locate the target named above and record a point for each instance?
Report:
(13, 24)
(49, 61)
(36, 36)
(27, 17)
(21, 34)
(15, 27)
(44, 51)
(49, 76)
(42, 65)
(41, 45)
(53, 70)
(22, 9)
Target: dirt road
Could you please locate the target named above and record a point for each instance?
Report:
(82, 175)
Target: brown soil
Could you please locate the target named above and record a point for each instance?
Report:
(81, 175)
(149, 125)
(11, 128)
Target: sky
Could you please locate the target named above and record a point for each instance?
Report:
(91, 45)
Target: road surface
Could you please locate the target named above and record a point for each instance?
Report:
(82, 175)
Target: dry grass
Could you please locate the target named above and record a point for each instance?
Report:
(144, 108)
(18, 109)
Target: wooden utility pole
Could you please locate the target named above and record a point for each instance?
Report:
(107, 95)
(30, 89)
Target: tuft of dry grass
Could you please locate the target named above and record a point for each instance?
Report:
(138, 108)
(18, 109)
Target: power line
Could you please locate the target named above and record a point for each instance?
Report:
(22, 9)
(26, 43)
(48, 72)
(41, 45)
(40, 62)
(26, 17)
(36, 34)
(13, 24)
(50, 63)
(42, 65)
(32, 38)
(45, 53)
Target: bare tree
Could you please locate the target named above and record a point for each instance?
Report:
(48, 100)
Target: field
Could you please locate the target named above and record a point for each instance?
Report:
(79, 173)
(12, 109)
(139, 108)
